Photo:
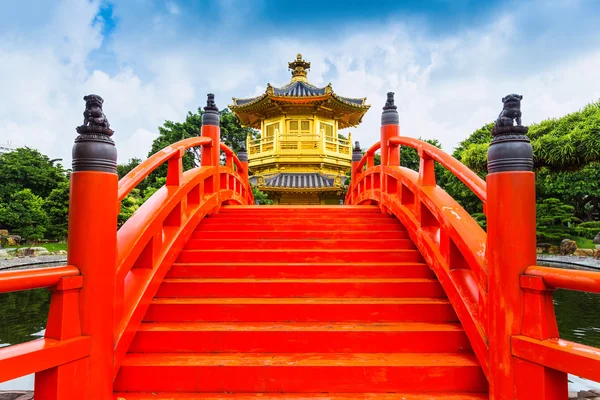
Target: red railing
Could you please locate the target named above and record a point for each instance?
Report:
(452, 242)
(151, 239)
(63, 348)
(99, 300)
(539, 349)
(504, 303)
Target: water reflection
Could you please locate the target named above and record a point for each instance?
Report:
(578, 316)
(23, 315)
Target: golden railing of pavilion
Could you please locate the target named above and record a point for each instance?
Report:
(301, 144)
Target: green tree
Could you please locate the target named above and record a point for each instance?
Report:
(553, 218)
(172, 132)
(260, 197)
(24, 215)
(27, 168)
(562, 144)
(129, 205)
(232, 133)
(580, 188)
(56, 206)
(153, 187)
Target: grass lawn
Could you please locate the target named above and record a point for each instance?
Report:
(584, 243)
(49, 246)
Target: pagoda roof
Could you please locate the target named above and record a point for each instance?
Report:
(299, 93)
(311, 180)
(300, 89)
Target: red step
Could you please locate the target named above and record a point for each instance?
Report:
(300, 396)
(305, 210)
(300, 373)
(317, 215)
(300, 309)
(281, 288)
(298, 244)
(301, 303)
(286, 234)
(300, 337)
(300, 225)
(226, 222)
(299, 256)
(414, 270)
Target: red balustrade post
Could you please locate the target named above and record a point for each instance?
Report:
(534, 381)
(394, 159)
(511, 240)
(390, 127)
(67, 381)
(93, 211)
(426, 169)
(244, 173)
(354, 174)
(211, 128)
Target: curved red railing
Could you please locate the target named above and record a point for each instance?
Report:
(151, 239)
(451, 241)
(458, 250)
(146, 246)
(428, 151)
(539, 342)
(63, 346)
(172, 152)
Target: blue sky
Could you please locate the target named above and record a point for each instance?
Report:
(449, 62)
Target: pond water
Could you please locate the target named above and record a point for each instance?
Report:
(23, 318)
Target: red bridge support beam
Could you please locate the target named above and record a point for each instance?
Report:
(93, 245)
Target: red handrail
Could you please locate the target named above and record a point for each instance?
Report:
(458, 251)
(229, 153)
(136, 175)
(14, 281)
(458, 169)
(434, 219)
(368, 153)
(570, 279)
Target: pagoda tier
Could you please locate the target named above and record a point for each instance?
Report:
(300, 157)
(299, 97)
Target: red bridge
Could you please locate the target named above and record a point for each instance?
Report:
(399, 294)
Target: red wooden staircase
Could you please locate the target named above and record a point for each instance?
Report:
(300, 302)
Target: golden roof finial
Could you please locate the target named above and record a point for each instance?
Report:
(299, 67)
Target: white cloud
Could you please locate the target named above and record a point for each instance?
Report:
(172, 8)
(445, 88)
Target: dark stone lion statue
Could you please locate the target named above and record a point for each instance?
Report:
(511, 111)
(93, 114)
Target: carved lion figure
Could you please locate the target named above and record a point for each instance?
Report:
(93, 114)
(511, 111)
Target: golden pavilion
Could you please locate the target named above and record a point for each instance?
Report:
(300, 158)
